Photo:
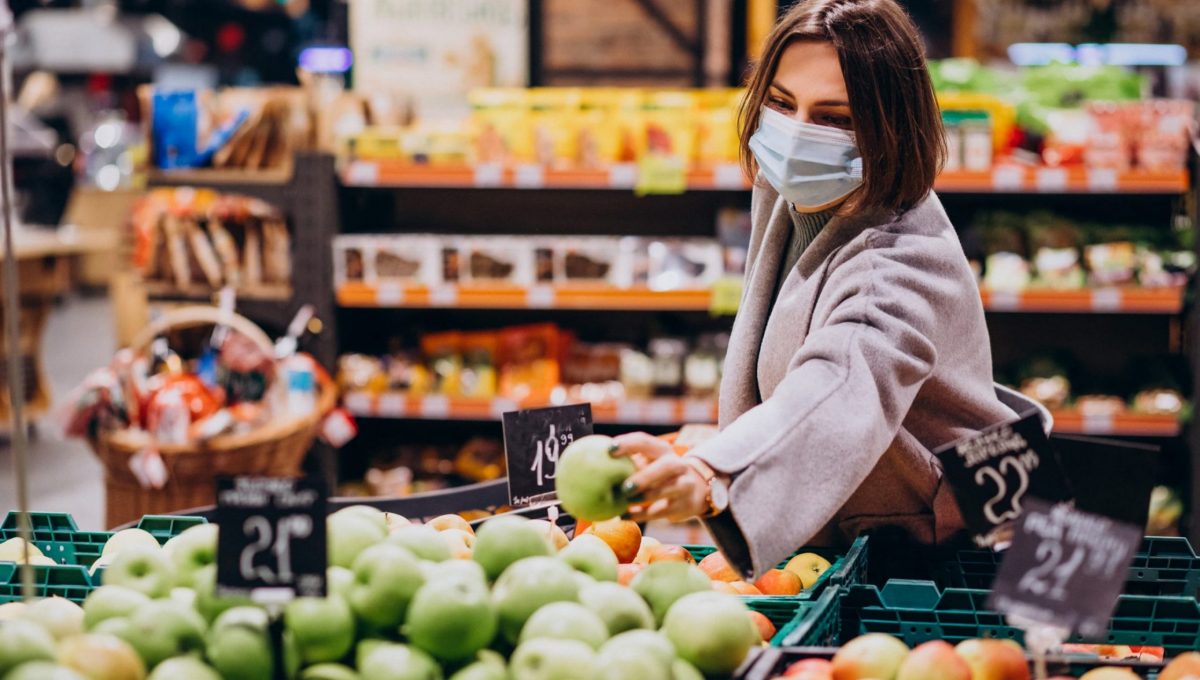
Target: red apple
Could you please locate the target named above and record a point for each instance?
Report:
(779, 582)
(1186, 666)
(934, 660)
(718, 569)
(743, 588)
(764, 625)
(874, 655)
(1109, 673)
(623, 536)
(626, 572)
(671, 553)
(994, 659)
(810, 669)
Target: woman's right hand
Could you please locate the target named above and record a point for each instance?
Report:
(664, 486)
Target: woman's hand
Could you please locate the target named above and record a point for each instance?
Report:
(665, 486)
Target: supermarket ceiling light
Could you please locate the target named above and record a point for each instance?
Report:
(165, 37)
(326, 59)
(1093, 54)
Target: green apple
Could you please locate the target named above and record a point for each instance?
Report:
(13, 550)
(43, 670)
(662, 583)
(385, 579)
(630, 663)
(207, 601)
(552, 659)
(338, 581)
(191, 550)
(591, 555)
(682, 670)
(350, 533)
(422, 541)
(239, 647)
(488, 665)
(504, 540)
(12, 610)
(101, 657)
(451, 618)
(526, 587)
(22, 641)
(60, 616)
(568, 621)
(456, 569)
(374, 515)
(618, 607)
(159, 630)
(583, 580)
(712, 631)
(183, 668)
(647, 641)
(329, 671)
(394, 661)
(588, 479)
(129, 538)
(146, 570)
(322, 627)
(184, 596)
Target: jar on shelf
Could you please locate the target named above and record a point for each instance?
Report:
(667, 356)
(976, 130)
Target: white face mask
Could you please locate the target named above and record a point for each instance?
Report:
(811, 166)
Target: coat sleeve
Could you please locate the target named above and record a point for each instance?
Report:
(797, 457)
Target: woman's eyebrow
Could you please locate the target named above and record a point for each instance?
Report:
(782, 89)
(831, 102)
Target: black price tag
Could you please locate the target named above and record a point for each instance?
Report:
(995, 473)
(1109, 477)
(533, 440)
(1065, 569)
(272, 539)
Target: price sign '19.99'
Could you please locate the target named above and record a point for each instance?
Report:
(272, 537)
(1065, 569)
(533, 441)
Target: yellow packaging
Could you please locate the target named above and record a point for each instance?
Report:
(1003, 114)
(379, 143)
(608, 124)
(553, 125)
(716, 125)
(668, 124)
(500, 125)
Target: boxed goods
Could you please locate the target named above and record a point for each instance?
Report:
(495, 260)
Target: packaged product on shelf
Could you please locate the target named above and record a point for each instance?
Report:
(1006, 272)
(1111, 264)
(1052, 391)
(1059, 268)
(1159, 401)
(716, 125)
(406, 259)
(733, 233)
(497, 260)
(637, 373)
(500, 122)
(593, 363)
(478, 376)
(450, 255)
(702, 367)
(667, 357)
(481, 459)
(350, 256)
(443, 354)
(668, 124)
(553, 125)
(975, 128)
(607, 124)
(681, 264)
(361, 373)
(1067, 138)
(590, 260)
(1100, 405)
(529, 358)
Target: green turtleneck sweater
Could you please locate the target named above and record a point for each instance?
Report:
(805, 227)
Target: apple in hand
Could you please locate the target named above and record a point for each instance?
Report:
(994, 659)
(592, 556)
(527, 586)
(874, 655)
(322, 628)
(191, 550)
(60, 616)
(452, 617)
(566, 621)
(385, 578)
(101, 657)
(618, 607)
(662, 583)
(623, 536)
(589, 479)
(239, 646)
(22, 641)
(184, 668)
(146, 570)
(502, 541)
(552, 659)
(933, 660)
(422, 541)
(711, 631)
(393, 661)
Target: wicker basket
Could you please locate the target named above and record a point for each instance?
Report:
(276, 449)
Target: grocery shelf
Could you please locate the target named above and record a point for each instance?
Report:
(1128, 424)
(522, 297)
(664, 411)
(201, 292)
(1083, 301)
(729, 177)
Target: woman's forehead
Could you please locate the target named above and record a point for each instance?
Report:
(810, 70)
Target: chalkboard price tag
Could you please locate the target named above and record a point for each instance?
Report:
(1065, 569)
(533, 441)
(272, 540)
(994, 473)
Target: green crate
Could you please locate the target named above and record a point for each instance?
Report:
(71, 582)
(817, 622)
(918, 611)
(1162, 566)
(845, 567)
(166, 527)
(59, 538)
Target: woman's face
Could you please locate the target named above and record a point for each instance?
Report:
(809, 87)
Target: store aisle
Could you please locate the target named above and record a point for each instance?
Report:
(64, 476)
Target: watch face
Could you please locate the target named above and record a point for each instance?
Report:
(720, 496)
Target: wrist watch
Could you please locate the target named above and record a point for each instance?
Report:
(718, 489)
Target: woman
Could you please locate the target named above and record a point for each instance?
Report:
(860, 343)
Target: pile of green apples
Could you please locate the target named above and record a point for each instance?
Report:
(515, 601)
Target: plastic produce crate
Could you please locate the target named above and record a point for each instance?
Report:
(1163, 566)
(816, 622)
(918, 611)
(845, 567)
(773, 662)
(59, 538)
(71, 582)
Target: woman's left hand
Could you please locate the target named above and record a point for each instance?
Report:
(666, 487)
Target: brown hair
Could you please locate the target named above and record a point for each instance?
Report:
(896, 118)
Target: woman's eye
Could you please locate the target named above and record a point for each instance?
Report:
(779, 104)
(834, 120)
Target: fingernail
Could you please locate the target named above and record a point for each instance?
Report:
(629, 488)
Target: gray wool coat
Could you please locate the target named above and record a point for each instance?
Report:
(874, 354)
